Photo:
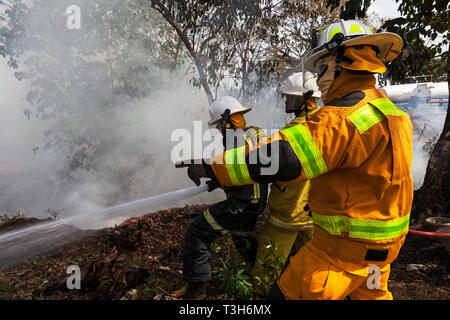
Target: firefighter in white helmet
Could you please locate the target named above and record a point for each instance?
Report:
(236, 215)
(288, 226)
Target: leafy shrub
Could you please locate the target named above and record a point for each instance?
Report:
(233, 274)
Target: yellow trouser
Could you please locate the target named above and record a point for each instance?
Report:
(274, 247)
(288, 227)
(313, 275)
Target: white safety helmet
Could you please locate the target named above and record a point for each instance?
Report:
(294, 86)
(218, 108)
(348, 34)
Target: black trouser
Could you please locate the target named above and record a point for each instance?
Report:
(276, 293)
(227, 216)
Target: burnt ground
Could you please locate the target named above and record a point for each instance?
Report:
(142, 259)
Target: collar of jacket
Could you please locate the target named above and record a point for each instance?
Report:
(348, 82)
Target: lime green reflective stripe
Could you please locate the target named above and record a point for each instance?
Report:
(355, 28)
(387, 107)
(362, 228)
(306, 150)
(236, 167)
(366, 117)
(333, 32)
(213, 223)
(375, 111)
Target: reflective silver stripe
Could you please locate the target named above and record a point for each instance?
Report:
(256, 193)
(213, 223)
(297, 225)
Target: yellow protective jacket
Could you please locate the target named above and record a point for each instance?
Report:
(252, 193)
(288, 225)
(289, 202)
(358, 157)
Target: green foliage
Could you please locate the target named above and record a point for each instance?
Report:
(428, 18)
(352, 9)
(416, 59)
(287, 33)
(249, 42)
(422, 24)
(233, 274)
(272, 267)
(206, 29)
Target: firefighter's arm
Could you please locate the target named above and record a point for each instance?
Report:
(292, 155)
(272, 160)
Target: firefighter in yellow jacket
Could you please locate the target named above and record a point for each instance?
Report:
(288, 226)
(357, 153)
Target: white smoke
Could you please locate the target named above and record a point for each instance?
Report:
(28, 173)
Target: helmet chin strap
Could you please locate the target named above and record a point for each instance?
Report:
(340, 53)
(334, 46)
(303, 107)
(307, 95)
(224, 121)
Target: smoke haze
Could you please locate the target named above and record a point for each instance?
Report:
(135, 162)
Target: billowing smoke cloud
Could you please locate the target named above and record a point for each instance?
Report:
(29, 180)
(134, 138)
(135, 159)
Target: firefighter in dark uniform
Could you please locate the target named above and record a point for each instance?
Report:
(236, 215)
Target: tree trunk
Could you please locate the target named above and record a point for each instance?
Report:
(196, 56)
(201, 66)
(432, 199)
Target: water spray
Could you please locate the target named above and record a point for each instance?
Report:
(27, 242)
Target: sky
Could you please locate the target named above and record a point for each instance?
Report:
(385, 8)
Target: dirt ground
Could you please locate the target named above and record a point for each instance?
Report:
(142, 259)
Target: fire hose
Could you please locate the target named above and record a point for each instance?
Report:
(412, 230)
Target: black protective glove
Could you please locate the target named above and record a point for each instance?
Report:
(198, 171)
(211, 185)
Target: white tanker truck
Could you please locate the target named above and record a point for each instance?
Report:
(416, 93)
